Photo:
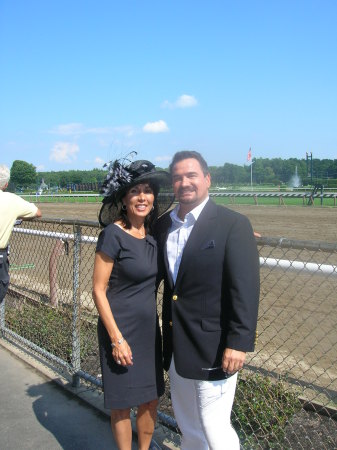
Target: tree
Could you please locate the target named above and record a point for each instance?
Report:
(23, 174)
(269, 176)
(233, 174)
(265, 170)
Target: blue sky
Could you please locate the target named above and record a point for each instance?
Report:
(84, 82)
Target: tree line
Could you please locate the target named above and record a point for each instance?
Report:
(275, 171)
(278, 171)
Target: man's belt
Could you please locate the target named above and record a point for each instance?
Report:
(4, 250)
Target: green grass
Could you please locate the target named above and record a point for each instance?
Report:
(262, 409)
(261, 201)
(73, 198)
(50, 328)
(271, 201)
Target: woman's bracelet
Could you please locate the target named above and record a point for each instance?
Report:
(119, 342)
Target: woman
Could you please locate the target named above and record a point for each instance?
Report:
(124, 277)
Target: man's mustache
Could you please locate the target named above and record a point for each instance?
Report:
(183, 190)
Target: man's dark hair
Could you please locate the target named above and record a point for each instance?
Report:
(186, 154)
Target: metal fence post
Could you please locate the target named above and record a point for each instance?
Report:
(2, 316)
(76, 343)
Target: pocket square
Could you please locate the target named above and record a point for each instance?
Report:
(209, 244)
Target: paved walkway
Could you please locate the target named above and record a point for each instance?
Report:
(36, 413)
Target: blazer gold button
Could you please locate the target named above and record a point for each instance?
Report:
(170, 323)
(175, 297)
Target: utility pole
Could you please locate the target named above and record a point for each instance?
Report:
(311, 170)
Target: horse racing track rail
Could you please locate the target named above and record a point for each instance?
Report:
(287, 393)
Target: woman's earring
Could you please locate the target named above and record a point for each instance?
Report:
(124, 208)
(152, 208)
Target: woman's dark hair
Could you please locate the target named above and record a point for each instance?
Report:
(150, 218)
(186, 154)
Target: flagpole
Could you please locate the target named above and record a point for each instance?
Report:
(251, 175)
(249, 158)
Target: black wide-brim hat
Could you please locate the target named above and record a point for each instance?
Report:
(121, 178)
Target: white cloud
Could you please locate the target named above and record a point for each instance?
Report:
(68, 129)
(99, 161)
(167, 104)
(163, 158)
(104, 142)
(184, 101)
(127, 130)
(64, 152)
(98, 130)
(78, 129)
(156, 127)
(40, 168)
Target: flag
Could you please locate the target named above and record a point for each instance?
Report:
(249, 155)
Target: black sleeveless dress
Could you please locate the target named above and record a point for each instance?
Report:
(131, 295)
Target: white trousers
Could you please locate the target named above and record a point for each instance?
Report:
(202, 410)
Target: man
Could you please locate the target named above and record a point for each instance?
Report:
(210, 304)
(12, 207)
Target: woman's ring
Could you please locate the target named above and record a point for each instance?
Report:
(118, 361)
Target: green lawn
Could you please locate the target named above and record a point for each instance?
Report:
(234, 200)
(271, 201)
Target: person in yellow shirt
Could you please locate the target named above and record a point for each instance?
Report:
(12, 207)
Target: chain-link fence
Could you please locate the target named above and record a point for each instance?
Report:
(287, 394)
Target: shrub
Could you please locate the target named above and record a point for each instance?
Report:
(50, 328)
(262, 409)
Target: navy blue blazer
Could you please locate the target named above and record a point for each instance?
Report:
(214, 302)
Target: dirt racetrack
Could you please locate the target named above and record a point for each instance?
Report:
(291, 222)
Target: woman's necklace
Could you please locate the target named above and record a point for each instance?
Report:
(133, 230)
(140, 231)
